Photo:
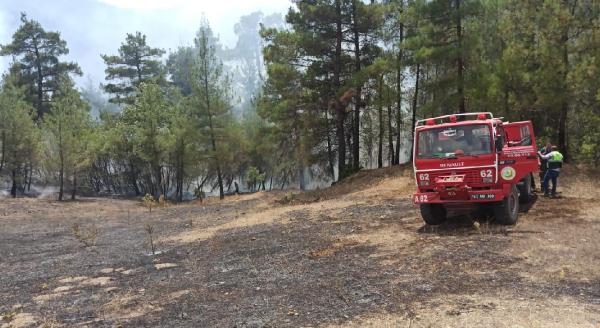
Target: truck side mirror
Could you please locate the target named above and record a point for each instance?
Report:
(499, 143)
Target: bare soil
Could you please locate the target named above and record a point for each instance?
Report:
(356, 255)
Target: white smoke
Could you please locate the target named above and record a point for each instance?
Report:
(44, 192)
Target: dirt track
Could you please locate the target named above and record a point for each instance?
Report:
(355, 255)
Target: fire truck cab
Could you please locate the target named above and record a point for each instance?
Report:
(473, 159)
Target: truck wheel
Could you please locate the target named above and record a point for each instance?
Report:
(507, 211)
(433, 214)
(525, 192)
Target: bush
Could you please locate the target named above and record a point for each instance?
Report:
(148, 201)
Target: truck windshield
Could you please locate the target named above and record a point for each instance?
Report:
(464, 140)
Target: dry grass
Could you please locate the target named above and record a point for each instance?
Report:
(358, 257)
(87, 236)
(362, 180)
(149, 229)
(580, 182)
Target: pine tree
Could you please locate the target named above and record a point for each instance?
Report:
(136, 63)
(148, 120)
(210, 99)
(443, 40)
(184, 155)
(38, 66)
(18, 134)
(66, 132)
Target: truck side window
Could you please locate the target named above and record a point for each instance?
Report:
(525, 136)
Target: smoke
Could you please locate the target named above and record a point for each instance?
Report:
(91, 28)
(43, 192)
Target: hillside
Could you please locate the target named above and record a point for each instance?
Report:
(353, 255)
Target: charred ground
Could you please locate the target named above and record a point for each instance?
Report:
(356, 254)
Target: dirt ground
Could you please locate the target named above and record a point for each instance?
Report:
(354, 255)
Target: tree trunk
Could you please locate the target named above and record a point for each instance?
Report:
(30, 174)
(61, 183)
(2, 161)
(40, 80)
(358, 100)
(212, 133)
(74, 192)
(380, 123)
(399, 91)
(284, 181)
(330, 156)
(301, 180)
(339, 109)
(219, 176)
(398, 110)
(61, 154)
(229, 182)
(133, 178)
(390, 130)
(349, 162)
(564, 108)
(179, 173)
(13, 189)
(414, 111)
(459, 60)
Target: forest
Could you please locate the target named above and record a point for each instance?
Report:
(343, 83)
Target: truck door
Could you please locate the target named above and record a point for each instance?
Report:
(519, 155)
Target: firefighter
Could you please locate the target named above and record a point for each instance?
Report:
(544, 164)
(555, 159)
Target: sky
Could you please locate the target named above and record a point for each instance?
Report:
(94, 27)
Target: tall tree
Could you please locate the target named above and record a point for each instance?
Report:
(320, 29)
(184, 156)
(18, 133)
(210, 98)
(136, 63)
(446, 45)
(295, 128)
(38, 62)
(148, 118)
(180, 63)
(395, 28)
(67, 129)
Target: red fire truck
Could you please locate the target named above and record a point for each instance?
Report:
(473, 160)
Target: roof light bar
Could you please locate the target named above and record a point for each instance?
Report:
(454, 118)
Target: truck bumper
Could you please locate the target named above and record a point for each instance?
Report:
(463, 196)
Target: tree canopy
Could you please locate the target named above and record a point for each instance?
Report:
(336, 88)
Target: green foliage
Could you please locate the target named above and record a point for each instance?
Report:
(255, 177)
(346, 79)
(19, 136)
(148, 201)
(66, 132)
(210, 103)
(38, 66)
(136, 63)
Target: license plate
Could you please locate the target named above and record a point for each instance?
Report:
(451, 178)
(483, 196)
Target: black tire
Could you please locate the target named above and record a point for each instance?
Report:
(506, 212)
(525, 191)
(433, 214)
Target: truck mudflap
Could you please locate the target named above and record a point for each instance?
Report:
(462, 195)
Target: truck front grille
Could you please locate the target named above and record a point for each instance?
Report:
(473, 177)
